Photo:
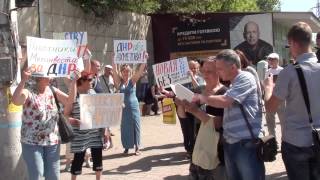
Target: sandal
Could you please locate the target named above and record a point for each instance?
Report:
(126, 152)
(138, 152)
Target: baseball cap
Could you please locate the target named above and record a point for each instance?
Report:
(108, 66)
(273, 56)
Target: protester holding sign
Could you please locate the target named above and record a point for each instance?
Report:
(39, 131)
(84, 139)
(130, 123)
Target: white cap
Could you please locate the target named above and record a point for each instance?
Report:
(108, 66)
(273, 56)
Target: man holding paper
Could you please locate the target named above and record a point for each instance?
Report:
(238, 146)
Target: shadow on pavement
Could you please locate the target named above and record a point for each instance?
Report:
(147, 163)
(277, 176)
(176, 177)
(166, 146)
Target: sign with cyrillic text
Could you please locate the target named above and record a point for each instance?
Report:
(81, 39)
(100, 110)
(52, 58)
(171, 72)
(130, 51)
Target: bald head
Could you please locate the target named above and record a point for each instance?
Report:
(251, 33)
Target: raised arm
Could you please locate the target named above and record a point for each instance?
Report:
(194, 81)
(20, 95)
(68, 99)
(116, 75)
(135, 78)
(86, 60)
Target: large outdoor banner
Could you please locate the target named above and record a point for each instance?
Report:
(171, 72)
(81, 39)
(52, 58)
(252, 34)
(203, 35)
(199, 38)
(100, 110)
(130, 51)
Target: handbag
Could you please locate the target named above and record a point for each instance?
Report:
(315, 132)
(65, 128)
(266, 146)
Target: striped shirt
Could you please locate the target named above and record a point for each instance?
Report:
(84, 139)
(243, 90)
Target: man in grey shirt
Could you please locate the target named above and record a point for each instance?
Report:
(297, 142)
(239, 149)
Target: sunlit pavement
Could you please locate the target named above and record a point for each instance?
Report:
(162, 157)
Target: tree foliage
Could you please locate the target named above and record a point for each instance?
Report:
(101, 8)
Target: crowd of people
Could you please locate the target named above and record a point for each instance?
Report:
(215, 133)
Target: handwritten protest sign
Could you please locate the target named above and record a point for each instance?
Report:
(130, 51)
(171, 72)
(52, 58)
(100, 110)
(81, 39)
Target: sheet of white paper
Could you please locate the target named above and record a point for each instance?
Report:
(183, 92)
(173, 88)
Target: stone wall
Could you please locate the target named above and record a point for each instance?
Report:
(61, 16)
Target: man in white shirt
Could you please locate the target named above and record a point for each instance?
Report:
(274, 70)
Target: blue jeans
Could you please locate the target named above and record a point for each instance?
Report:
(42, 161)
(300, 162)
(241, 161)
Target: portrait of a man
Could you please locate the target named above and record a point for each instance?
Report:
(253, 47)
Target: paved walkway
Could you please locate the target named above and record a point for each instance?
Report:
(163, 157)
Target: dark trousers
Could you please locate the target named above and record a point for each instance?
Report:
(187, 127)
(300, 162)
(96, 154)
(198, 173)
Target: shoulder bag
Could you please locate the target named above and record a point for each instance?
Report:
(266, 146)
(315, 132)
(65, 128)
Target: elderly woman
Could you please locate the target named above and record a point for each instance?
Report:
(84, 139)
(39, 131)
(205, 154)
(130, 123)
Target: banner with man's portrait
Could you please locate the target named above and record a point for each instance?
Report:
(252, 34)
